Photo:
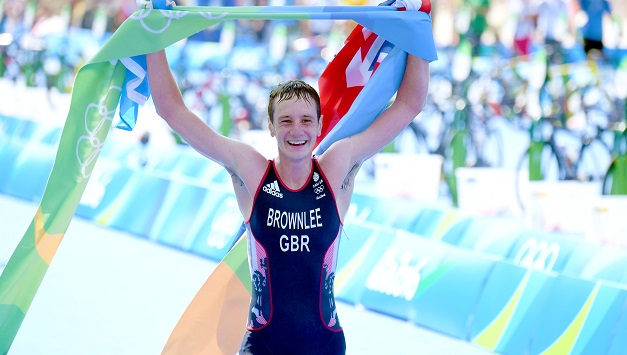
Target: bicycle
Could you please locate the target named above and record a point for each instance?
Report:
(456, 122)
(615, 179)
(550, 156)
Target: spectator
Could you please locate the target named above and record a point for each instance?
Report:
(553, 26)
(478, 22)
(592, 31)
(527, 11)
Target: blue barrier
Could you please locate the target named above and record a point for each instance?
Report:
(595, 262)
(580, 318)
(609, 264)
(580, 257)
(104, 189)
(219, 227)
(619, 337)
(355, 245)
(182, 162)
(448, 295)
(16, 128)
(509, 308)
(193, 166)
(400, 268)
(427, 222)
(604, 319)
(9, 152)
(486, 280)
(29, 131)
(167, 161)
(542, 250)
(357, 257)
(177, 214)
(456, 232)
(367, 208)
(138, 204)
(117, 149)
(405, 214)
(202, 226)
(29, 172)
(51, 134)
(494, 236)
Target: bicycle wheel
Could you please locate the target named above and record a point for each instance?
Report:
(615, 181)
(455, 157)
(488, 147)
(594, 159)
(539, 163)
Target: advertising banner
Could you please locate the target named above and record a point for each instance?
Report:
(447, 297)
(508, 313)
(580, 318)
(488, 235)
(358, 255)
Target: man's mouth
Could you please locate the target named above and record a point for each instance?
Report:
(296, 142)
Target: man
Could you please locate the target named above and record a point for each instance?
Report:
(553, 25)
(592, 31)
(293, 206)
(525, 27)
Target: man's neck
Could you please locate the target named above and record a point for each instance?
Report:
(294, 174)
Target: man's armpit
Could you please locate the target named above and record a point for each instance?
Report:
(235, 178)
(349, 180)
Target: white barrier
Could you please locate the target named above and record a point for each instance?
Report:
(487, 192)
(411, 176)
(608, 221)
(564, 206)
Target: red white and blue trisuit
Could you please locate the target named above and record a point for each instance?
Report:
(293, 241)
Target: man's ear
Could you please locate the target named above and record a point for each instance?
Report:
(270, 127)
(319, 126)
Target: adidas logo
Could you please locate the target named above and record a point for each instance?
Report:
(273, 189)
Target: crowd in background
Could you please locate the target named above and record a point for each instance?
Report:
(300, 49)
(519, 25)
(226, 72)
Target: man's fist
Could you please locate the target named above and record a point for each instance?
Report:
(414, 5)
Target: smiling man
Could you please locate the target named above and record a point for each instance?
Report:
(293, 205)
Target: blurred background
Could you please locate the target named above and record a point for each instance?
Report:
(493, 224)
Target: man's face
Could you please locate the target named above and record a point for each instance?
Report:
(295, 126)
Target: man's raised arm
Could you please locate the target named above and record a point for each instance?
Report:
(409, 102)
(171, 107)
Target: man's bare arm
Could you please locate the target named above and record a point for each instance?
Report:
(410, 99)
(171, 107)
(347, 153)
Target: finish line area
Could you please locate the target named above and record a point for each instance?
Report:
(109, 292)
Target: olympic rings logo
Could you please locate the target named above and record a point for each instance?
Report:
(97, 122)
(169, 14)
(537, 255)
(318, 190)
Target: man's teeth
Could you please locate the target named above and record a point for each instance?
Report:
(297, 142)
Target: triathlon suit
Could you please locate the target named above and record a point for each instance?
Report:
(293, 240)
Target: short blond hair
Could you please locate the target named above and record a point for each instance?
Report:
(291, 89)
